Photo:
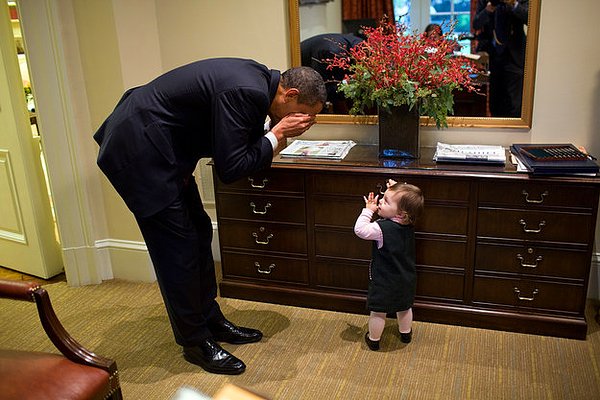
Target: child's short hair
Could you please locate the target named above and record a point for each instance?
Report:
(411, 201)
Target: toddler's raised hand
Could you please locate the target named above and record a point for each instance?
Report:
(371, 201)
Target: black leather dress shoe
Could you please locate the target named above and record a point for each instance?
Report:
(213, 358)
(228, 332)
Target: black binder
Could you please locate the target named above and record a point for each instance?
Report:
(540, 166)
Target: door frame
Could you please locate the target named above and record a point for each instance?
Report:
(64, 122)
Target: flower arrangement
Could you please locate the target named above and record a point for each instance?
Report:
(393, 67)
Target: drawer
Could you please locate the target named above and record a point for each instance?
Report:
(443, 219)
(263, 236)
(435, 218)
(431, 283)
(533, 260)
(269, 180)
(360, 185)
(441, 253)
(429, 252)
(341, 212)
(439, 284)
(528, 294)
(532, 194)
(535, 225)
(264, 267)
(341, 244)
(261, 207)
(342, 275)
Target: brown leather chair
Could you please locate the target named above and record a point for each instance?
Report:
(76, 374)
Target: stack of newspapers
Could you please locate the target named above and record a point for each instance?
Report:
(469, 153)
(327, 149)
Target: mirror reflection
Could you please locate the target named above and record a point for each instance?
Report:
(493, 33)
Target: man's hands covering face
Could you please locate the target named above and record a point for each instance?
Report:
(293, 125)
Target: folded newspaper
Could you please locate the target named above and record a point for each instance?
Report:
(329, 149)
(469, 153)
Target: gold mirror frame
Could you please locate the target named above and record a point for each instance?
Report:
(469, 122)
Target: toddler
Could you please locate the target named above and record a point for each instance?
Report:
(392, 273)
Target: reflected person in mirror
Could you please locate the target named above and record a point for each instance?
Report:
(315, 50)
(149, 147)
(392, 273)
(500, 27)
(434, 33)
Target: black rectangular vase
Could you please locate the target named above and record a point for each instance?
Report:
(399, 132)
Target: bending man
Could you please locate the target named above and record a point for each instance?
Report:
(149, 147)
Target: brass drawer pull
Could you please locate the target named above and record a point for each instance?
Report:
(263, 271)
(526, 265)
(540, 226)
(264, 183)
(518, 292)
(541, 200)
(253, 206)
(266, 241)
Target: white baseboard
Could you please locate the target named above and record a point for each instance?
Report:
(129, 260)
(124, 259)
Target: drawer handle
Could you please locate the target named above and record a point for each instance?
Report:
(253, 206)
(263, 271)
(540, 226)
(266, 241)
(541, 200)
(518, 292)
(264, 183)
(523, 264)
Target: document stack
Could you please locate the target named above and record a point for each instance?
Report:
(469, 153)
(553, 159)
(326, 149)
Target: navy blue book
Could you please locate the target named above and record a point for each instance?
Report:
(536, 158)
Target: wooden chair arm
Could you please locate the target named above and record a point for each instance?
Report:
(17, 290)
(69, 347)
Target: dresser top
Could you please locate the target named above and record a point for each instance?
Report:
(364, 158)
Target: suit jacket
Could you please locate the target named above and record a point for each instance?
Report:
(514, 40)
(151, 142)
(321, 47)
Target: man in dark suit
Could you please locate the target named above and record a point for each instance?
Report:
(149, 147)
(501, 33)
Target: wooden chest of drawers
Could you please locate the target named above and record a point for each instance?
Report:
(495, 249)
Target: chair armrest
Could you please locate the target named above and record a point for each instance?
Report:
(17, 290)
(69, 347)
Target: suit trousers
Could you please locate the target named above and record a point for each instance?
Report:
(179, 239)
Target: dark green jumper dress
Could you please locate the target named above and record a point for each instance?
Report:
(392, 274)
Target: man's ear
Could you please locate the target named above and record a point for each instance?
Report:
(291, 94)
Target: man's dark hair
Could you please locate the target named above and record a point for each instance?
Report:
(308, 82)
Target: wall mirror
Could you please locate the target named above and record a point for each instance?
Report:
(309, 18)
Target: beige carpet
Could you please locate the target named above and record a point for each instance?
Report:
(311, 354)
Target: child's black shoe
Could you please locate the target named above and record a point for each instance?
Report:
(406, 337)
(373, 344)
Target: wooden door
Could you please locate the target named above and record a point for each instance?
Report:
(28, 242)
